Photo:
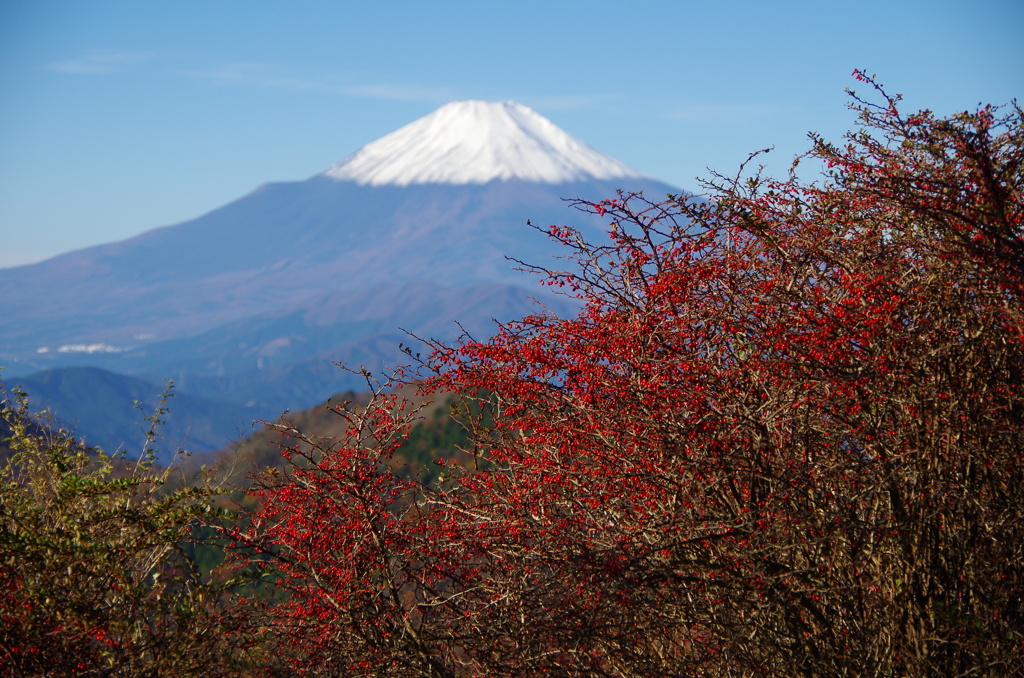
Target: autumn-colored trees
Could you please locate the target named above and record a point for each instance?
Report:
(782, 437)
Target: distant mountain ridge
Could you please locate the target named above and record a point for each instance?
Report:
(109, 411)
(249, 303)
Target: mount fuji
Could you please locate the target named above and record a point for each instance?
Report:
(249, 304)
(474, 142)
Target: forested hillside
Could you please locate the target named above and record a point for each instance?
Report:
(436, 432)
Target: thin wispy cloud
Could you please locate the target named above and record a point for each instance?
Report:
(727, 114)
(401, 93)
(101, 62)
(256, 75)
(565, 102)
(270, 76)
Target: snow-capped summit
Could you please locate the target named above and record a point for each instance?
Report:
(474, 142)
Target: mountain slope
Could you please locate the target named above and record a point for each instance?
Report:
(278, 245)
(250, 303)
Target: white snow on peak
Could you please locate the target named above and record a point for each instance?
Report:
(474, 142)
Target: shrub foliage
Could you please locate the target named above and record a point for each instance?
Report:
(782, 437)
(95, 577)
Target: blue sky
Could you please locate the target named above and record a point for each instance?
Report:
(119, 117)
